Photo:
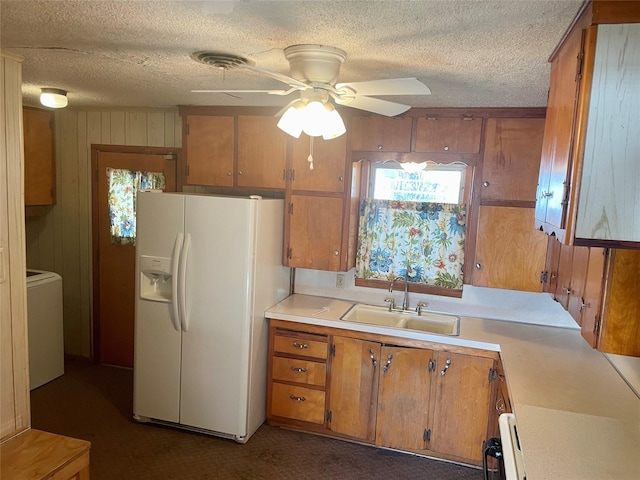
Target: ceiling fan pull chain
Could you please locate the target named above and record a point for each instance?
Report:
(310, 157)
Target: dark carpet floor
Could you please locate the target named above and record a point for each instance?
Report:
(95, 403)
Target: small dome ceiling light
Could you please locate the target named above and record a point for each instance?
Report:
(53, 97)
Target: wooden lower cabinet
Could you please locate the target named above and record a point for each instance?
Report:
(391, 392)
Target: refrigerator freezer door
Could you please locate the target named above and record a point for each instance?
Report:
(160, 220)
(215, 349)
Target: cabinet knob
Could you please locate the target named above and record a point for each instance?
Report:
(446, 148)
(584, 305)
(340, 178)
(336, 252)
(567, 290)
(239, 172)
(229, 174)
(485, 184)
(297, 399)
(379, 147)
(479, 266)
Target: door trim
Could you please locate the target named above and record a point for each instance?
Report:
(95, 150)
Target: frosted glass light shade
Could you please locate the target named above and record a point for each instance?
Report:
(315, 118)
(53, 98)
(291, 121)
(334, 126)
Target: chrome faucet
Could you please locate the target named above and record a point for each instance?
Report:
(405, 299)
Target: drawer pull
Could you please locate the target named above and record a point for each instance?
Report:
(300, 345)
(297, 399)
(298, 369)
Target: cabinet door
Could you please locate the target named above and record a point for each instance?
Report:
(511, 159)
(354, 388)
(209, 150)
(579, 267)
(262, 152)
(509, 252)
(448, 135)
(565, 264)
(329, 164)
(558, 134)
(381, 134)
(315, 232)
(549, 276)
(461, 405)
(593, 294)
(403, 399)
(39, 157)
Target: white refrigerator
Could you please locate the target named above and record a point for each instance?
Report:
(207, 267)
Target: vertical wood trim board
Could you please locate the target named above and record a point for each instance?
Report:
(60, 241)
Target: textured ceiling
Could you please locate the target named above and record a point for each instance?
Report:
(137, 53)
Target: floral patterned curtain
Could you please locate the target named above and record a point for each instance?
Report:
(422, 242)
(123, 187)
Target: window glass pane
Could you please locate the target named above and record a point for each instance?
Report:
(442, 184)
(123, 192)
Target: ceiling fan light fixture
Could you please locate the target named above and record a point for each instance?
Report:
(291, 121)
(53, 97)
(334, 126)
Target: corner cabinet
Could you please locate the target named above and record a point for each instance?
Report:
(587, 189)
(409, 395)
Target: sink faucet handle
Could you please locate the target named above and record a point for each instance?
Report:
(391, 301)
(420, 306)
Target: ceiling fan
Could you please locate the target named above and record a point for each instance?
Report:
(314, 73)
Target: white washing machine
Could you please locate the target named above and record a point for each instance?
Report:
(45, 329)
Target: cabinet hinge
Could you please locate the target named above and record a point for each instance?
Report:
(293, 175)
(289, 253)
(426, 436)
(565, 196)
(596, 326)
(580, 65)
(493, 374)
(467, 116)
(432, 365)
(332, 349)
(291, 208)
(329, 415)
(186, 168)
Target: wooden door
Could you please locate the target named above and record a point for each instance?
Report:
(209, 144)
(461, 398)
(511, 159)
(354, 388)
(329, 165)
(315, 232)
(262, 152)
(509, 252)
(448, 135)
(404, 398)
(381, 134)
(593, 294)
(114, 264)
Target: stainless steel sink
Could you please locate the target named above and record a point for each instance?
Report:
(428, 322)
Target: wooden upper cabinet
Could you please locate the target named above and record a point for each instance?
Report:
(555, 163)
(315, 237)
(329, 164)
(461, 400)
(209, 143)
(511, 159)
(262, 152)
(39, 157)
(510, 254)
(448, 134)
(381, 134)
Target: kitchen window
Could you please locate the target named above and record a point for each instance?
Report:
(413, 225)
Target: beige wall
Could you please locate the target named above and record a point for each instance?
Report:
(59, 240)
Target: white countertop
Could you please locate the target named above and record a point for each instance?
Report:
(577, 417)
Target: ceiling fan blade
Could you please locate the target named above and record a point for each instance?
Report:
(375, 105)
(292, 82)
(391, 86)
(270, 92)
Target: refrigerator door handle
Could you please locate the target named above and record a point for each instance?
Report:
(182, 285)
(175, 313)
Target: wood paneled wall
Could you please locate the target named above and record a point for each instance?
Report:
(59, 238)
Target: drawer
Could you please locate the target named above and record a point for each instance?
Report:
(301, 345)
(299, 371)
(298, 403)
